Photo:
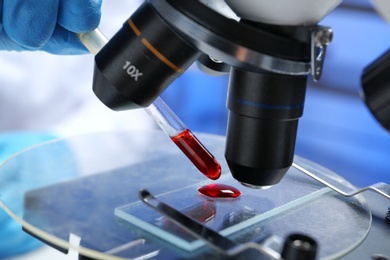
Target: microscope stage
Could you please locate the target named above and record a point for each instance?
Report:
(88, 186)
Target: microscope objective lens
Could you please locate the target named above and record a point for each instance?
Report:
(198, 154)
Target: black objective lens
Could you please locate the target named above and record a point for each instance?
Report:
(376, 89)
(262, 126)
(140, 61)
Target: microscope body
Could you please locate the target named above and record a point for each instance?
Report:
(269, 61)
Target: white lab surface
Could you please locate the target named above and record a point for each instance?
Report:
(45, 92)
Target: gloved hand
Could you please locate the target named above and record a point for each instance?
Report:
(48, 25)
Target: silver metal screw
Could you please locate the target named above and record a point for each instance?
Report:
(324, 36)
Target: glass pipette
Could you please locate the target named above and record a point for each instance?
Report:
(167, 120)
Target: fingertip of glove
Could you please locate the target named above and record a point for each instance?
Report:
(28, 41)
(26, 26)
(79, 19)
(81, 23)
(64, 42)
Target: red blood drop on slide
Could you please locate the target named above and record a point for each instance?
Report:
(216, 190)
(198, 154)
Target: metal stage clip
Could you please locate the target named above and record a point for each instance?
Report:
(380, 187)
(220, 243)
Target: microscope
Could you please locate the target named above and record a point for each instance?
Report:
(269, 49)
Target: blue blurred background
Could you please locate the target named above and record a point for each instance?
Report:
(336, 130)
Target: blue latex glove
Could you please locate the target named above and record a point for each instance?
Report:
(13, 240)
(48, 25)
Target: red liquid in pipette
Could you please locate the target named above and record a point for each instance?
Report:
(216, 190)
(198, 154)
